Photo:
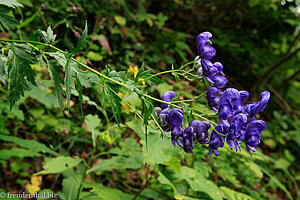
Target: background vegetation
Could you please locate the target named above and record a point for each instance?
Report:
(45, 149)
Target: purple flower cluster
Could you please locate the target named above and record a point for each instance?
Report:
(237, 122)
(213, 72)
(171, 119)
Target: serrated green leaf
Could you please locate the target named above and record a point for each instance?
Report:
(19, 72)
(114, 100)
(69, 82)
(87, 79)
(59, 164)
(57, 79)
(48, 36)
(59, 57)
(6, 21)
(81, 41)
(29, 144)
(3, 71)
(10, 3)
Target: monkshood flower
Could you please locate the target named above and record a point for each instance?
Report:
(253, 134)
(237, 123)
(216, 140)
(214, 73)
(231, 103)
(176, 126)
(163, 115)
(167, 96)
(213, 99)
(187, 139)
(205, 51)
(257, 107)
(200, 131)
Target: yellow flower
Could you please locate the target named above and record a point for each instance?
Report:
(133, 70)
(142, 81)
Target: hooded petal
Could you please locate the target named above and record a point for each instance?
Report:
(167, 96)
(216, 140)
(257, 107)
(219, 80)
(227, 100)
(253, 134)
(202, 39)
(236, 124)
(200, 131)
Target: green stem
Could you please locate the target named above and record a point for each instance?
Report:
(161, 101)
(85, 170)
(164, 72)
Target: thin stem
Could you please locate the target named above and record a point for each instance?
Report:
(85, 170)
(204, 118)
(194, 98)
(157, 124)
(164, 72)
(61, 51)
(161, 101)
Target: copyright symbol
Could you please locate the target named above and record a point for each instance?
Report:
(2, 194)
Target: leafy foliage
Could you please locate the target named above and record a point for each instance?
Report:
(59, 164)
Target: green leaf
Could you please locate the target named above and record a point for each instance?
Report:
(164, 180)
(28, 20)
(114, 100)
(57, 79)
(3, 71)
(59, 164)
(120, 20)
(48, 36)
(118, 163)
(69, 82)
(70, 184)
(92, 121)
(10, 3)
(93, 56)
(234, 195)
(6, 21)
(29, 144)
(19, 71)
(17, 152)
(81, 41)
(198, 183)
(106, 193)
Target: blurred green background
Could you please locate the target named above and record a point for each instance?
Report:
(256, 41)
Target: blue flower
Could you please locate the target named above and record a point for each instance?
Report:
(167, 96)
(213, 99)
(238, 122)
(257, 107)
(216, 140)
(228, 98)
(253, 134)
(176, 125)
(187, 139)
(205, 51)
(214, 73)
(200, 129)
